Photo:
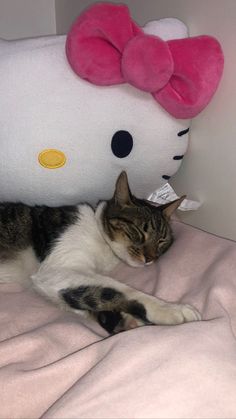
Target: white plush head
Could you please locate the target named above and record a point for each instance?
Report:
(64, 140)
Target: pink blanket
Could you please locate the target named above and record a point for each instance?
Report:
(55, 365)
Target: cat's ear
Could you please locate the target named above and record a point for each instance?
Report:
(122, 194)
(171, 207)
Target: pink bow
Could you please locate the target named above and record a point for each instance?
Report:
(105, 47)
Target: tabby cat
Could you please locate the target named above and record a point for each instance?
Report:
(68, 252)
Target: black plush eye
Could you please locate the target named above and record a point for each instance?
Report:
(122, 144)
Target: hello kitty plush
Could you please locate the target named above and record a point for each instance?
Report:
(111, 96)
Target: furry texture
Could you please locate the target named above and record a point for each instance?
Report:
(77, 247)
(81, 121)
(56, 367)
(105, 47)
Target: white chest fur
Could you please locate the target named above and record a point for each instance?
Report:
(82, 246)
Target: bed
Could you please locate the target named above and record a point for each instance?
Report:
(56, 365)
(77, 127)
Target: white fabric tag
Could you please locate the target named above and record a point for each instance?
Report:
(167, 194)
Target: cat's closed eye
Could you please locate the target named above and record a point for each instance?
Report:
(129, 229)
(139, 239)
(135, 235)
(145, 227)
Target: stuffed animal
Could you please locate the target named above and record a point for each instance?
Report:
(76, 110)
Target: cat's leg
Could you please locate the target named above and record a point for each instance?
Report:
(112, 296)
(98, 293)
(18, 266)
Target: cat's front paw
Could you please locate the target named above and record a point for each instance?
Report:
(181, 313)
(189, 313)
(172, 314)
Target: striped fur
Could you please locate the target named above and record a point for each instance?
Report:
(68, 252)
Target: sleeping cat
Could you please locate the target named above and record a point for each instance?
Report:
(68, 252)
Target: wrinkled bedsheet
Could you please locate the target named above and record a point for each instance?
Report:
(54, 364)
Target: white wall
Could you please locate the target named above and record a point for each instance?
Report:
(67, 11)
(27, 18)
(209, 171)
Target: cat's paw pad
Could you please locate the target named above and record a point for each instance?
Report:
(128, 322)
(131, 322)
(115, 322)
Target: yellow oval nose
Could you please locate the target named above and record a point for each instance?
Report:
(52, 158)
